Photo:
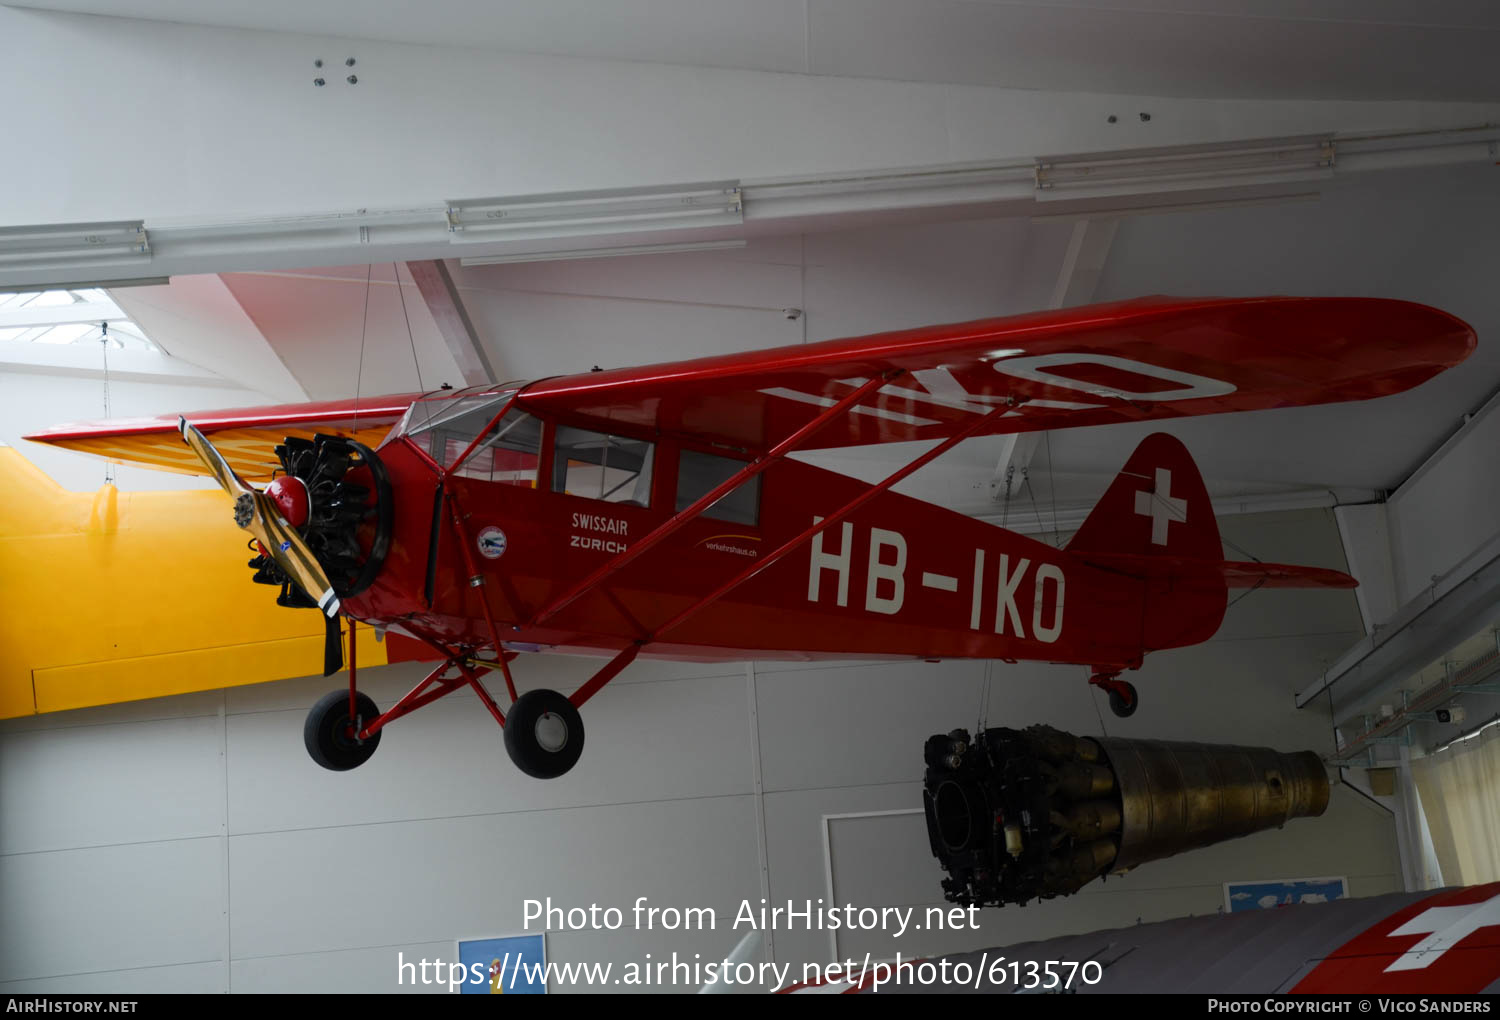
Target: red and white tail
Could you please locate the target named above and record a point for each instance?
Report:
(1156, 507)
(1156, 523)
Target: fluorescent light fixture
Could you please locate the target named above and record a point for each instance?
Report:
(37, 246)
(1143, 171)
(420, 224)
(585, 213)
(564, 255)
(876, 191)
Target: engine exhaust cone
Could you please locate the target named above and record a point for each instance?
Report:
(1017, 815)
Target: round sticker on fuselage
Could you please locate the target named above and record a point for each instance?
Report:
(492, 543)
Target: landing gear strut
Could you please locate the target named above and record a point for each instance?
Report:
(1123, 699)
(543, 730)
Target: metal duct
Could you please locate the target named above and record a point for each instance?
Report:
(1016, 815)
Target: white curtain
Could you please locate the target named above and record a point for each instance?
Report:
(1460, 791)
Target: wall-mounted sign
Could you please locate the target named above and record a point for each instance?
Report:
(1282, 892)
(508, 965)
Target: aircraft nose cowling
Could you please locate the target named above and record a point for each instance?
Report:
(289, 494)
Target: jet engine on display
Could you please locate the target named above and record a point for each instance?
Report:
(1017, 815)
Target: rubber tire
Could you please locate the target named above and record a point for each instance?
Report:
(1124, 704)
(324, 731)
(520, 734)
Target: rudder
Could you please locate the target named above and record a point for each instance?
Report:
(1157, 505)
(1155, 522)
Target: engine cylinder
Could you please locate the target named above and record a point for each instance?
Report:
(1015, 815)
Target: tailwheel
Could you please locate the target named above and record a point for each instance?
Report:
(543, 734)
(1123, 698)
(331, 735)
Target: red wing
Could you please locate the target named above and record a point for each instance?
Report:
(247, 437)
(1148, 359)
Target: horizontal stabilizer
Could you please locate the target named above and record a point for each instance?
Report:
(1234, 574)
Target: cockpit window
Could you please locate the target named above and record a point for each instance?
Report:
(600, 466)
(698, 474)
(510, 453)
(442, 405)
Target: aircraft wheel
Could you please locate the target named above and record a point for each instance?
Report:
(326, 732)
(543, 734)
(1123, 699)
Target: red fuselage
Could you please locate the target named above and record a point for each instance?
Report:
(898, 578)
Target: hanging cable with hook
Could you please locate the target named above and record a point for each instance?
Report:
(411, 340)
(364, 324)
(109, 465)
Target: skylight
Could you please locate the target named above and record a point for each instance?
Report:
(83, 316)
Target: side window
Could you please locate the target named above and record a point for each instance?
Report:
(600, 466)
(509, 455)
(698, 473)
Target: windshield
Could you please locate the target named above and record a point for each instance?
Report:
(439, 406)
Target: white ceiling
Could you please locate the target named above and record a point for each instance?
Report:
(1431, 237)
(1329, 49)
(1424, 235)
(345, 331)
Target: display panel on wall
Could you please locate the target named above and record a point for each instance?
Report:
(507, 964)
(1268, 894)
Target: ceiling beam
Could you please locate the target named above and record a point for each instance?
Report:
(1083, 262)
(198, 319)
(1077, 281)
(453, 322)
(1202, 176)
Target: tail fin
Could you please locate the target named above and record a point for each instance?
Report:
(1156, 524)
(1155, 520)
(1157, 506)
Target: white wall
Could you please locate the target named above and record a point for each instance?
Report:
(210, 123)
(1447, 510)
(188, 843)
(49, 386)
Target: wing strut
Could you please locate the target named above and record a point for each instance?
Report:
(791, 545)
(470, 671)
(443, 473)
(476, 580)
(669, 527)
(628, 654)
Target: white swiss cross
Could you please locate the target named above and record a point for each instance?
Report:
(1161, 506)
(1445, 927)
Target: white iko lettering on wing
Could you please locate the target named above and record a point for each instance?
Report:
(940, 388)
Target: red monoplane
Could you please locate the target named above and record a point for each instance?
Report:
(654, 511)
